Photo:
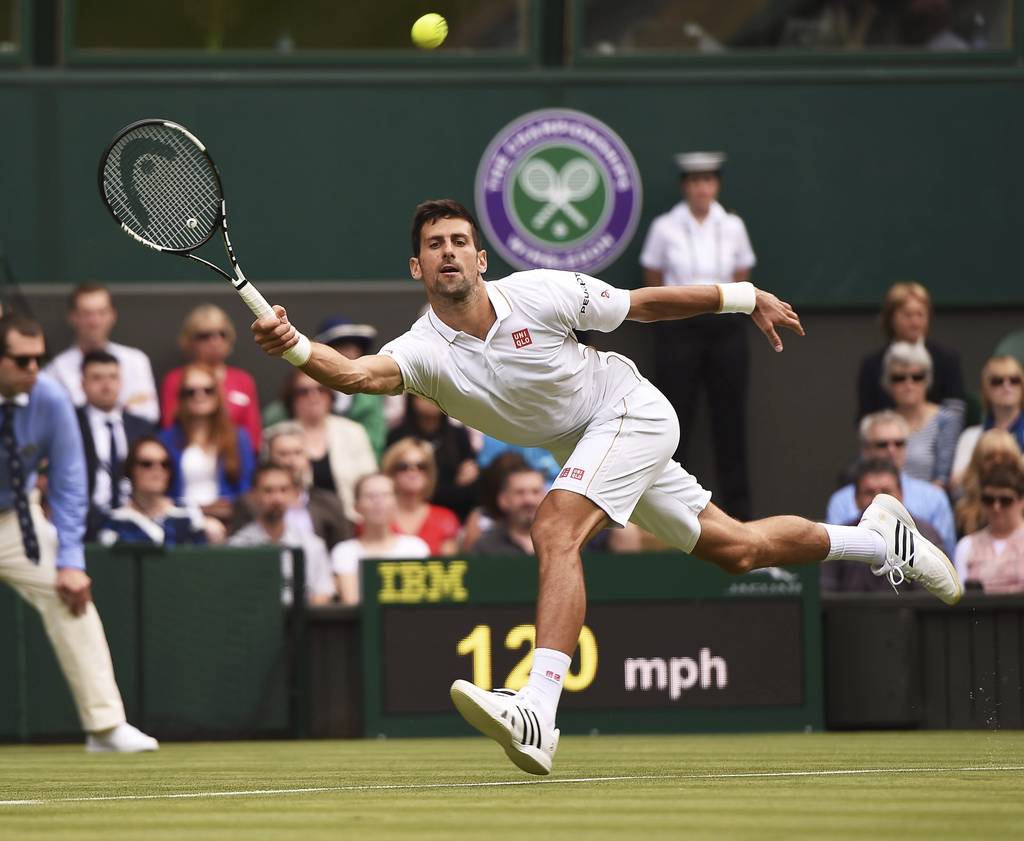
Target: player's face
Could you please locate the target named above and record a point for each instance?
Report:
(93, 318)
(376, 502)
(448, 263)
(873, 484)
(910, 321)
(101, 382)
(21, 351)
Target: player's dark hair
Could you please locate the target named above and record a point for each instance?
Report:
(87, 289)
(872, 466)
(20, 323)
(430, 211)
(1006, 476)
(98, 357)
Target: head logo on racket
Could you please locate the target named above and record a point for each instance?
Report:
(558, 189)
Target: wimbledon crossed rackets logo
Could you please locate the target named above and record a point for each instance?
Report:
(558, 189)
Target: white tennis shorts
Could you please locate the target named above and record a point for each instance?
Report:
(623, 463)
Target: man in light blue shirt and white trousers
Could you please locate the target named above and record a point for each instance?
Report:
(46, 565)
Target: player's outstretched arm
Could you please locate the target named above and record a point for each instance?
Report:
(665, 303)
(366, 375)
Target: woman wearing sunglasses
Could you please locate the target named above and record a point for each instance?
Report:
(906, 376)
(150, 515)
(1002, 398)
(994, 556)
(995, 447)
(207, 337)
(410, 463)
(212, 458)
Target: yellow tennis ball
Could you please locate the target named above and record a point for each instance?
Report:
(429, 31)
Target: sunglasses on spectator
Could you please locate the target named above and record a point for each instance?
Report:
(306, 390)
(998, 500)
(194, 391)
(917, 377)
(23, 360)
(206, 335)
(403, 466)
(150, 463)
(997, 381)
(898, 443)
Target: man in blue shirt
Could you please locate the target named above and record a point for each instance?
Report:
(884, 435)
(47, 569)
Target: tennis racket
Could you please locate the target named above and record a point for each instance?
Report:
(161, 186)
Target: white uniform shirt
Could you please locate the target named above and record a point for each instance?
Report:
(688, 252)
(529, 382)
(138, 388)
(101, 443)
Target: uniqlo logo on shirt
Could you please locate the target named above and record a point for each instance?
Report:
(564, 473)
(522, 338)
(576, 473)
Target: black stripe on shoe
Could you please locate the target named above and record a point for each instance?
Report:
(527, 727)
(536, 724)
(503, 692)
(912, 555)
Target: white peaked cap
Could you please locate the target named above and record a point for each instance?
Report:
(690, 162)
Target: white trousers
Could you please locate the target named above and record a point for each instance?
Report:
(78, 641)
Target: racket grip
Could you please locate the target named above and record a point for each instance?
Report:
(299, 353)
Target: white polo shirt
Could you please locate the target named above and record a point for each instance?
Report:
(529, 382)
(687, 251)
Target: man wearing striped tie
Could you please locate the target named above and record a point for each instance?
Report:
(46, 566)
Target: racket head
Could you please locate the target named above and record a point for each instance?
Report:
(161, 186)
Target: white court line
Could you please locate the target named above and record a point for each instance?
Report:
(193, 795)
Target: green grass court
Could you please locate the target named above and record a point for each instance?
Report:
(784, 786)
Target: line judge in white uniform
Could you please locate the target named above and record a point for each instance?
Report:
(699, 242)
(501, 357)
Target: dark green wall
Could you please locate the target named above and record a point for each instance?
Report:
(848, 179)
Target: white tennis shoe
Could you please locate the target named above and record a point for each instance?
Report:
(122, 739)
(512, 720)
(909, 555)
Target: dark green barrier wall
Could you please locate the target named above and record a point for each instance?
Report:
(197, 639)
(848, 179)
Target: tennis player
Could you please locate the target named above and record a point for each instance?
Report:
(501, 357)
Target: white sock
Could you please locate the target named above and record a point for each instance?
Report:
(854, 543)
(546, 677)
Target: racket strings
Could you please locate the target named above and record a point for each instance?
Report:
(164, 189)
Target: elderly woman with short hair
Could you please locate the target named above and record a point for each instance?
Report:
(906, 375)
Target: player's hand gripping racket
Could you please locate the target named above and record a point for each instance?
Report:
(161, 186)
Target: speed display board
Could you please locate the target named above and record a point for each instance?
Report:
(669, 644)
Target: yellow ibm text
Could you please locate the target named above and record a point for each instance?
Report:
(477, 644)
(412, 582)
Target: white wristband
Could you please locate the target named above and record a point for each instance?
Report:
(299, 353)
(737, 297)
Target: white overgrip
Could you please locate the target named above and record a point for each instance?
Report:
(299, 353)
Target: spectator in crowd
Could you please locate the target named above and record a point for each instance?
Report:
(487, 513)
(884, 435)
(537, 457)
(378, 507)
(316, 510)
(338, 449)
(995, 447)
(521, 494)
(274, 491)
(410, 464)
(457, 470)
(149, 515)
(107, 433)
(92, 317)
(871, 477)
(698, 241)
(371, 411)
(1002, 397)
(43, 562)
(207, 338)
(933, 429)
(994, 556)
(906, 317)
(213, 459)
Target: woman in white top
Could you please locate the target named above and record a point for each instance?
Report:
(376, 503)
(906, 376)
(1002, 398)
(698, 241)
